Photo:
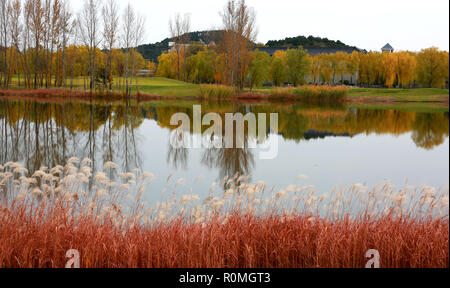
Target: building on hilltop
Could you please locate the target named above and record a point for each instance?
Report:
(387, 48)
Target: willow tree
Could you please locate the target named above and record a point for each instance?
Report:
(259, 68)
(432, 67)
(239, 34)
(405, 66)
(298, 65)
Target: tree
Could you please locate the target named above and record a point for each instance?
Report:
(326, 68)
(110, 26)
(88, 25)
(388, 63)
(128, 34)
(139, 33)
(36, 28)
(200, 67)
(341, 59)
(167, 65)
(405, 66)
(353, 65)
(179, 31)
(278, 68)
(14, 12)
(298, 65)
(259, 68)
(240, 31)
(4, 38)
(432, 67)
(315, 68)
(66, 27)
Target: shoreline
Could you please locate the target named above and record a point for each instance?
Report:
(67, 95)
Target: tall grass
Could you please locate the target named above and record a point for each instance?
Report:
(54, 94)
(216, 91)
(45, 213)
(310, 93)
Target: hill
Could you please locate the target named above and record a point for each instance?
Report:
(309, 42)
(153, 51)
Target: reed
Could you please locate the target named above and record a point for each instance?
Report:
(216, 91)
(47, 212)
(310, 93)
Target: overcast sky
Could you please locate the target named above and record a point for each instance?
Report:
(368, 24)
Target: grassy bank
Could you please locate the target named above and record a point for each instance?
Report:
(401, 95)
(173, 89)
(246, 226)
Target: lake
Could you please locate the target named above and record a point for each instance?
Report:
(332, 146)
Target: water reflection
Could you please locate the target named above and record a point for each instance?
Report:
(47, 134)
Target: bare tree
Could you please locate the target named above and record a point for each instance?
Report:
(88, 25)
(138, 38)
(179, 31)
(66, 27)
(36, 27)
(14, 12)
(26, 36)
(54, 38)
(128, 38)
(4, 38)
(240, 31)
(110, 26)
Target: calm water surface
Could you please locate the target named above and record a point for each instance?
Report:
(333, 146)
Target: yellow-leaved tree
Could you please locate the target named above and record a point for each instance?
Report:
(432, 67)
(405, 66)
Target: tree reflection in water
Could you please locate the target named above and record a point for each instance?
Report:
(47, 134)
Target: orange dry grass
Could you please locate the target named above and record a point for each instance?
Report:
(52, 94)
(42, 239)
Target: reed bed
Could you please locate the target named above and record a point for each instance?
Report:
(59, 94)
(313, 94)
(238, 225)
(216, 91)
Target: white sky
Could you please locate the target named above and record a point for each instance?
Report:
(368, 24)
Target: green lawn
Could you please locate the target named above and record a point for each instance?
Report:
(406, 95)
(166, 87)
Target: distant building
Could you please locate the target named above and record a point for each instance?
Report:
(387, 48)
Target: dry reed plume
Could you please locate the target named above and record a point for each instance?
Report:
(45, 213)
